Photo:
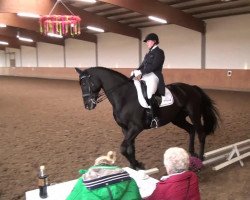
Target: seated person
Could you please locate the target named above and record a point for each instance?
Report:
(105, 181)
(180, 184)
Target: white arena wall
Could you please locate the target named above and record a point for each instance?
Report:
(228, 42)
(28, 55)
(50, 55)
(2, 58)
(117, 51)
(12, 52)
(182, 46)
(226, 49)
(79, 53)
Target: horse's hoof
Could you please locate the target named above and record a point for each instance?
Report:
(201, 158)
(138, 166)
(194, 155)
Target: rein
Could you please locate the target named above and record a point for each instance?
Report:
(102, 96)
(119, 85)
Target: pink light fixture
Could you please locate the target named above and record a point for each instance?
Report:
(60, 24)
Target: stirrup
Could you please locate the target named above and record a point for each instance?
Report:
(154, 123)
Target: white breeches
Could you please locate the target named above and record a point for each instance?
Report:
(152, 83)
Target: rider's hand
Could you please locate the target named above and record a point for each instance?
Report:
(137, 72)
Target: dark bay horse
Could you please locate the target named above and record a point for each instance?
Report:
(189, 101)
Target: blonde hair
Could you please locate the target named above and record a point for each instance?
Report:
(176, 160)
(109, 159)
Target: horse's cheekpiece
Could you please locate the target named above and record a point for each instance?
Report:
(166, 100)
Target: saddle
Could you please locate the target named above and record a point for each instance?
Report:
(143, 99)
(157, 96)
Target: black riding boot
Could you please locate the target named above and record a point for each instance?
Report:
(154, 112)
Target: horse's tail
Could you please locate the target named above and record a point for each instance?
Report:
(210, 113)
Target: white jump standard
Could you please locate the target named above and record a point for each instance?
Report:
(228, 152)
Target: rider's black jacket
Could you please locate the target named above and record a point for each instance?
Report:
(153, 62)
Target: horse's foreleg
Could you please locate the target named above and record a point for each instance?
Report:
(128, 150)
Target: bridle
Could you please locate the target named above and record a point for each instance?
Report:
(90, 93)
(100, 96)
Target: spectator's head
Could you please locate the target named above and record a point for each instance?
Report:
(176, 160)
(109, 159)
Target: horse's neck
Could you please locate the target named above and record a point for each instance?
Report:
(111, 82)
(115, 88)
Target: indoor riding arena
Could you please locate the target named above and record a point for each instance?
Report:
(43, 120)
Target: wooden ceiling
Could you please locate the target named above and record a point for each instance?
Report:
(124, 17)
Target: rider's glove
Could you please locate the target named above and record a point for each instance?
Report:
(137, 73)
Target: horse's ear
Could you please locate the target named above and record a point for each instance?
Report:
(78, 70)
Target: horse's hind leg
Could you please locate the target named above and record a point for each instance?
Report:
(196, 120)
(181, 122)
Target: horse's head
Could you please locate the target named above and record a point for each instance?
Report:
(91, 87)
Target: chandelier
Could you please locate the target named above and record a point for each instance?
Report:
(60, 24)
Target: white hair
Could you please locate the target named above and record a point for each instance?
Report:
(176, 160)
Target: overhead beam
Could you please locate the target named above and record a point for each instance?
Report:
(11, 19)
(158, 9)
(43, 7)
(178, 1)
(204, 3)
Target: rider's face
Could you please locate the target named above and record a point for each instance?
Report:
(150, 43)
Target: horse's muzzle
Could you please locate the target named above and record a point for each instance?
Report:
(91, 104)
(91, 107)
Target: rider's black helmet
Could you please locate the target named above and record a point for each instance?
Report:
(152, 36)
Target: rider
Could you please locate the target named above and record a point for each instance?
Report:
(151, 71)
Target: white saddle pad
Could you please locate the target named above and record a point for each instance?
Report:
(165, 100)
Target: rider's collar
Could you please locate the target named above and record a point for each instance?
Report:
(153, 47)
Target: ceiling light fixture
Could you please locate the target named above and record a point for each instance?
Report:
(24, 39)
(4, 43)
(31, 15)
(54, 35)
(163, 21)
(2, 25)
(89, 1)
(95, 29)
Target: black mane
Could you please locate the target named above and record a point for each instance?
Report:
(116, 73)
